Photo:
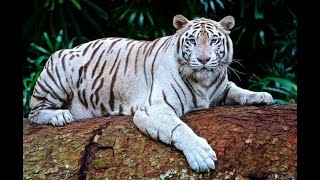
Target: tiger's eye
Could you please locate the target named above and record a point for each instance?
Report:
(213, 41)
(192, 41)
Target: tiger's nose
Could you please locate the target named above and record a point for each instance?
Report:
(204, 60)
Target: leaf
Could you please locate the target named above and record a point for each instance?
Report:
(220, 4)
(58, 40)
(52, 6)
(276, 90)
(48, 4)
(117, 10)
(92, 21)
(289, 68)
(74, 23)
(274, 55)
(39, 48)
(203, 2)
(31, 61)
(76, 4)
(131, 18)
(258, 9)
(279, 101)
(205, 5)
(150, 18)
(48, 41)
(241, 34)
(257, 77)
(103, 14)
(254, 40)
(284, 82)
(60, 1)
(163, 32)
(272, 28)
(261, 34)
(124, 14)
(70, 44)
(293, 51)
(243, 8)
(292, 14)
(282, 49)
(212, 6)
(141, 19)
(36, 76)
(39, 60)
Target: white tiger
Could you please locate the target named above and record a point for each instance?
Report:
(156, 81)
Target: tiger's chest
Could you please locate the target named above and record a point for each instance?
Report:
(209, 94)
(205, 101)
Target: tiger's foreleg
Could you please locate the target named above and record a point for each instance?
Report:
(161, 123)
(237, 95)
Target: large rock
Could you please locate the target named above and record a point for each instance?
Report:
(250, 142)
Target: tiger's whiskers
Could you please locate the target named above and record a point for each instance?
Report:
(238, 62)
(235, 72)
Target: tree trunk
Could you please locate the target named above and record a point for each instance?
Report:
(250, 142)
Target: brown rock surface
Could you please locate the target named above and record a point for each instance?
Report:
(250, 142)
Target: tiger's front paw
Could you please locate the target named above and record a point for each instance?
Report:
(256, 98)
(60, 117)
(200, 156)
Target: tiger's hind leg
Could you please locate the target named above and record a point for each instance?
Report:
(51, 97)
(49, 110)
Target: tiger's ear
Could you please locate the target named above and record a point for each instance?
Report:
(227, 22)
(179, 21)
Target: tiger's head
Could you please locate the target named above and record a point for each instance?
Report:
(204, 47)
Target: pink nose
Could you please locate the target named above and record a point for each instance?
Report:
(203, 60)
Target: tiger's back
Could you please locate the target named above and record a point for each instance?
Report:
(109, 76)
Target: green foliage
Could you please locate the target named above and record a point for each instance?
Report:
(282, 89)
(139, 17)
(264, 35)
(53, 15)
(279, 77)
(205, 7)
(35, 65)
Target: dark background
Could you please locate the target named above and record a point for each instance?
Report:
(264, 36)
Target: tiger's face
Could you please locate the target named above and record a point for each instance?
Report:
(204, 46)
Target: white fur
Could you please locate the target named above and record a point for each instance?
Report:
(166, 86)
